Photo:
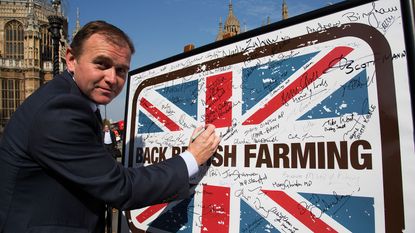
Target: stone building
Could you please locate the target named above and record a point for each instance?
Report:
(25, 51)
(232, 26)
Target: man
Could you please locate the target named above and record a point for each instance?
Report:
(110, 142)
(55, 174)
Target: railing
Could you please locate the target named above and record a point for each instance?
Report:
(11, 63)
(8, 63)
(48, 66)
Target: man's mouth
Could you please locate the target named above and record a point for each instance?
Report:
(106, 90)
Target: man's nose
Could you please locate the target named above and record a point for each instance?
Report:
(111, 75)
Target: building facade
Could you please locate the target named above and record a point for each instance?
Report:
(25, 51)
(232, 26)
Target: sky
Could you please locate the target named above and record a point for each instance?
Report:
(161, 28)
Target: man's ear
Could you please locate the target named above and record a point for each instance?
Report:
(70, 60)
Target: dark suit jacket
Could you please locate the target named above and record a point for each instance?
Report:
(56, 176)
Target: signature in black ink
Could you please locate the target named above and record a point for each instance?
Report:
(372, 16)
(318, 206)
(286, 184)
(359, 126)
(280, 218)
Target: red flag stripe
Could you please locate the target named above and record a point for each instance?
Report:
(299, 211)
(215, 209)
(301, 83)
(218, 106)
(150, 211)
(161, 117)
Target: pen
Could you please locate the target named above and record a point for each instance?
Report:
(197, 134)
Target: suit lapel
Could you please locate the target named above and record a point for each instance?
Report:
(75, 90)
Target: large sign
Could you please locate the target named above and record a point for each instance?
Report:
(315, 115)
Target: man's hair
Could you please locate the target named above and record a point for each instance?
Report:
(111, 32)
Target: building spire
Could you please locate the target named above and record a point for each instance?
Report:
(284, 10)
(220, 33)
(31, 17)
(220, 24)
(77, 25)
(232, 26)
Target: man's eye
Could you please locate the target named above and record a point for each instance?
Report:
(102, 65)
(122, 72)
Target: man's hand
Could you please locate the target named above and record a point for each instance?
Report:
(203, 146)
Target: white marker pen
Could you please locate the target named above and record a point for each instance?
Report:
(197, 134)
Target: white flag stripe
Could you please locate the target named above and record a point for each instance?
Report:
(169, 109)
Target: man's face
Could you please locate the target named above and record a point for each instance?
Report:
(101, 69)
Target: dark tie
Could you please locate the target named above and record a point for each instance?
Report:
(98, 114)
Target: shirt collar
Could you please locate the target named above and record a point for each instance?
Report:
(94, 106)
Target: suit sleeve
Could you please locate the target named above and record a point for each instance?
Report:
(65, 140)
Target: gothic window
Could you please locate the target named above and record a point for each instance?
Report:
(11, 96)
(14, 40)
(46, 44)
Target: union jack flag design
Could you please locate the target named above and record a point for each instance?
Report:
(177, 105)
(315, 86)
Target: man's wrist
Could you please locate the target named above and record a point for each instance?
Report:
(191, 163)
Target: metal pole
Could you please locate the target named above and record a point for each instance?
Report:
(55, 25)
